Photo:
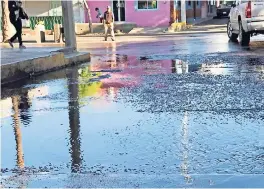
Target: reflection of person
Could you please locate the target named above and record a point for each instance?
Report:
(109, 23)
(24, 106)
(99, 14)
(16, 14)
(113, 56)
(111, 52)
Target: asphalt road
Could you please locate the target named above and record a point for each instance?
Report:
(175, 111)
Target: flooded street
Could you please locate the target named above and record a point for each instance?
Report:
(179, 112)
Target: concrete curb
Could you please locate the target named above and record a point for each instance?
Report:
(186, 32)
(25, 69)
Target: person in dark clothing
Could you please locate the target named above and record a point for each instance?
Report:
(16, 13)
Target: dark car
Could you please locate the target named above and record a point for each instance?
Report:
(224, 8)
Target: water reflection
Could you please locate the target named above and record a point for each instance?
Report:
(185, 148)
(21, 104)
(24, 106)
(17, 132)
(118, 71)
(181, 67)
(219, 68)
(88, 83)
(111, 51)
(231, 69)
(74, 120)
(121, 58)
(104, 79)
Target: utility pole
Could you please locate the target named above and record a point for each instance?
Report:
(68, 24)
(5, 20)
(172, 12)
(185, 147)
(183, 11)
(89, 16)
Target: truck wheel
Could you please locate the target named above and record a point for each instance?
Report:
(244, 37)
(232, 36)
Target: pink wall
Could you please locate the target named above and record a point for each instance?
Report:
(143, 18)
(101, 5)
(148, 18)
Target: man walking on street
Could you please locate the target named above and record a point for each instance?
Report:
(109, 23)
(16, 13)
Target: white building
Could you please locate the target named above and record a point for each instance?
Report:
(52, 8)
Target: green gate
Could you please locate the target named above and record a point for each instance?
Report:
(49, 21)
(54, 16)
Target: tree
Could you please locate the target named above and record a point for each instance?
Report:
(89, 16)
(4, 25)
(172, 12)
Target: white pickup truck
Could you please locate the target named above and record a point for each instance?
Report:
(246, 19)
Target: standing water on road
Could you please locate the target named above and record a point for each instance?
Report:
(137, 121)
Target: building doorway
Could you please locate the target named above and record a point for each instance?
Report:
(119, 10)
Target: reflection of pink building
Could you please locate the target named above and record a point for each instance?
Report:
(127, 71)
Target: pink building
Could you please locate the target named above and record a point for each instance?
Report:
(151, 13)
(144, 13)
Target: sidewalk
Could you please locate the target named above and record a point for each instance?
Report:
(201, 26)
(205, 25)
(9, 56)
(17, 64)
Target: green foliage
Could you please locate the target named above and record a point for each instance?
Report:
(87, 86)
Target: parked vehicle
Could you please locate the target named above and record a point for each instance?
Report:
(224, 8)
(246, 19)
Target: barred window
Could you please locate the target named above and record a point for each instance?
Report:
(147, 4)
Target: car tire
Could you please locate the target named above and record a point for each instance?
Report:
(218, 16)
(232, 36)
(244, 37)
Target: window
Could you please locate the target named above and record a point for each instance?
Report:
(189, 3)
(197, 2)
(147, 4)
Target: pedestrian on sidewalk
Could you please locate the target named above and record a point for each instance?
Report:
(109, 23)
(16, 13)
(99, 14)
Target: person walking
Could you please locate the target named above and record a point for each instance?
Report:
(99, 14)
(109, 23)
(16, 13)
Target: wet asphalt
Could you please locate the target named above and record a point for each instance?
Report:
(178, 111)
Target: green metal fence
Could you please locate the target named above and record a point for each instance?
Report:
(49, 21)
